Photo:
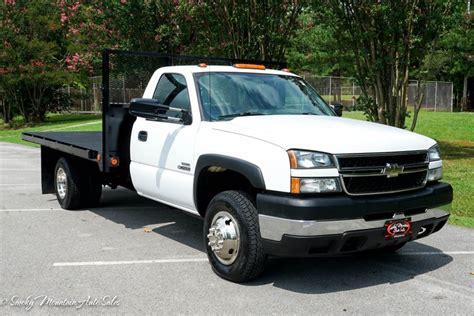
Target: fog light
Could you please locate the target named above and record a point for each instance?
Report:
(319, 185)
(435, 174)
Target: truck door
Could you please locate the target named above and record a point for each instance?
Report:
(162, 152)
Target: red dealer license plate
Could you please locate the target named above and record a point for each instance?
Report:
(397, 228)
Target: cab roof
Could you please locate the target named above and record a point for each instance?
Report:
(220, 68)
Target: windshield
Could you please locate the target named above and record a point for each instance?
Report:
(225, 95)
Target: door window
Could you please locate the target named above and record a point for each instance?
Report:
(171, 90)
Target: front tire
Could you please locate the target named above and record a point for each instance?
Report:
(232, 237)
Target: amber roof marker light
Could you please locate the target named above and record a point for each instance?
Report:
(249, 66)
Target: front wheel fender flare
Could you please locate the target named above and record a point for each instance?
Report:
(247, 169)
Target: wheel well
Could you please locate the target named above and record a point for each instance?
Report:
(213, 180)
(49, 158)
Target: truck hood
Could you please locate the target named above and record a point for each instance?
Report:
(325, 133)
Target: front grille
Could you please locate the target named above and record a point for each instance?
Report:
(381, 161)
(382, 184)
(369, 174)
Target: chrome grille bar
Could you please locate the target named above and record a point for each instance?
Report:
(368, 176)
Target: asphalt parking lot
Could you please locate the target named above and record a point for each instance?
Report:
(132, 255)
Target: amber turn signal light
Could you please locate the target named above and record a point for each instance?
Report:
(295, 185)
(293, 162)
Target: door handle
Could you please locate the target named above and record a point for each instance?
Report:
(142, 136)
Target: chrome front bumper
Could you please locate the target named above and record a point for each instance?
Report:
(273, 228)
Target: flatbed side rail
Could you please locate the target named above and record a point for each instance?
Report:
(71, 149)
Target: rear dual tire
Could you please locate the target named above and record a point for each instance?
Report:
(75, 186)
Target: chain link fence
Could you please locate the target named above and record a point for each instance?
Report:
(437, 95)
(85, 100)
(128, 73)
(122, 89)
(341, 90)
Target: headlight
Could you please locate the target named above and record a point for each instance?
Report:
(434, 153)
(435, 174)
(300, 159)
(315, 185)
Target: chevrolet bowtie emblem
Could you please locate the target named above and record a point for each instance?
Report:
(392, 170)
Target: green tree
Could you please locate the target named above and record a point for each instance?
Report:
(131, 25)
(388, 40)
(33, 58)
(244, 28)
(49, 43)
(316, 50)
(455, 55)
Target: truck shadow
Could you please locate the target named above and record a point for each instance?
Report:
(309, 275)
(135, 212)
(339, 274)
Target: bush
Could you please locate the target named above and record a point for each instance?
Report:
(369, 107)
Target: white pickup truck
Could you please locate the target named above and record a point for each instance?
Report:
(263, 159)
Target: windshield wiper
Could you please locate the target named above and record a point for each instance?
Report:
(248, 113)
(308, 113)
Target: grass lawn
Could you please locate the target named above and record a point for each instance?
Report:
(54, 122)
(453, 131)
(455, 134)
(344, 97)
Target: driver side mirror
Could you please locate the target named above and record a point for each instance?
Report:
(151, 109)
(337, 108)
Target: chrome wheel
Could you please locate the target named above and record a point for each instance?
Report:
(224, 237)
(61, 182)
